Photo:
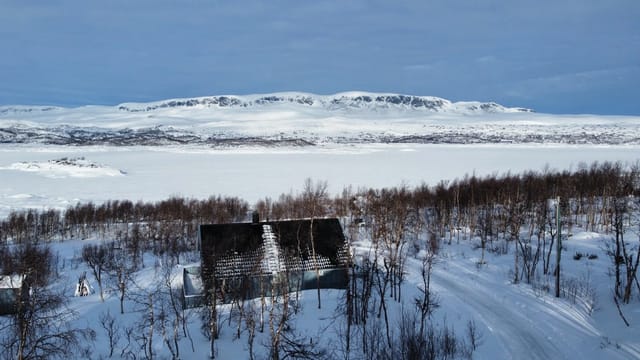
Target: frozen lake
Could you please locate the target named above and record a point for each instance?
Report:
(154, 173)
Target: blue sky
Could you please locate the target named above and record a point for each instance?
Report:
(556, 56)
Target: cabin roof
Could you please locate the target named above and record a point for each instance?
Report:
(241, 249)
(293, 236)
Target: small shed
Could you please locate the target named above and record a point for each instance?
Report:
(246, 260)
(10, 289)
(192, 290)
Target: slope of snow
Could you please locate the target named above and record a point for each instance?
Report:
(339, 101)
(307, 119)
(519, 319)
(516, 320)
(513, 320)
(65, 167)
(155, 173)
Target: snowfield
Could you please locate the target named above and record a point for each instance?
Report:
(64, 168)
(515, 321)
(265, 145)
(299, 119)
(155, 173)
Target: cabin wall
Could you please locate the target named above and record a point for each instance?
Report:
(8, 301)
(256, 286)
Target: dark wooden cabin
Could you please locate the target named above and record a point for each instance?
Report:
(247, 260)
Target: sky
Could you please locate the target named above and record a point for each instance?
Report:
(554, 56)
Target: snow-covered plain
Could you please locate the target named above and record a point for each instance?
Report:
(516, 321)
(154, 173)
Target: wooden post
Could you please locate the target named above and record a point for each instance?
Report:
(559, 246)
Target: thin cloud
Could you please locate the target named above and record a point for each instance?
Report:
(118, 51)
(577, 81)
(419, 67)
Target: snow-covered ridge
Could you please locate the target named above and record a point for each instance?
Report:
(301, 119)
(16, 109)
(66, 167)
(340, 101)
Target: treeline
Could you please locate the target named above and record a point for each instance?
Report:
(175, 216)
(588, 191)
(512, 214)
(449, 205)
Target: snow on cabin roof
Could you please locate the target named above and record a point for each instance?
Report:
(10, 281)
(272, 246)
(235, 238)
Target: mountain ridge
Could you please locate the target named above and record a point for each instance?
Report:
(352, 100)
(303, 119)
(345, 101)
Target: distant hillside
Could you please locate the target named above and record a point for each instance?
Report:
(340, 101)
(301, 119)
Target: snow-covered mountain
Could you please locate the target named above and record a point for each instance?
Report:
(302, 119)
(340, 101)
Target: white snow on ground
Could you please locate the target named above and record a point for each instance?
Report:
(64, 168)
(155, 173)
(516, 320)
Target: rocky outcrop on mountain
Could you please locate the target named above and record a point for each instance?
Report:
(339, 101)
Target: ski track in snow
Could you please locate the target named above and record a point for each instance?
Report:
(502, 321)
(540, 328)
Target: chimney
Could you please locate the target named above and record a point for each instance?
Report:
(255, 217)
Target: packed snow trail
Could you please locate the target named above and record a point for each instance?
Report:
(516, 332)
(513, 321)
